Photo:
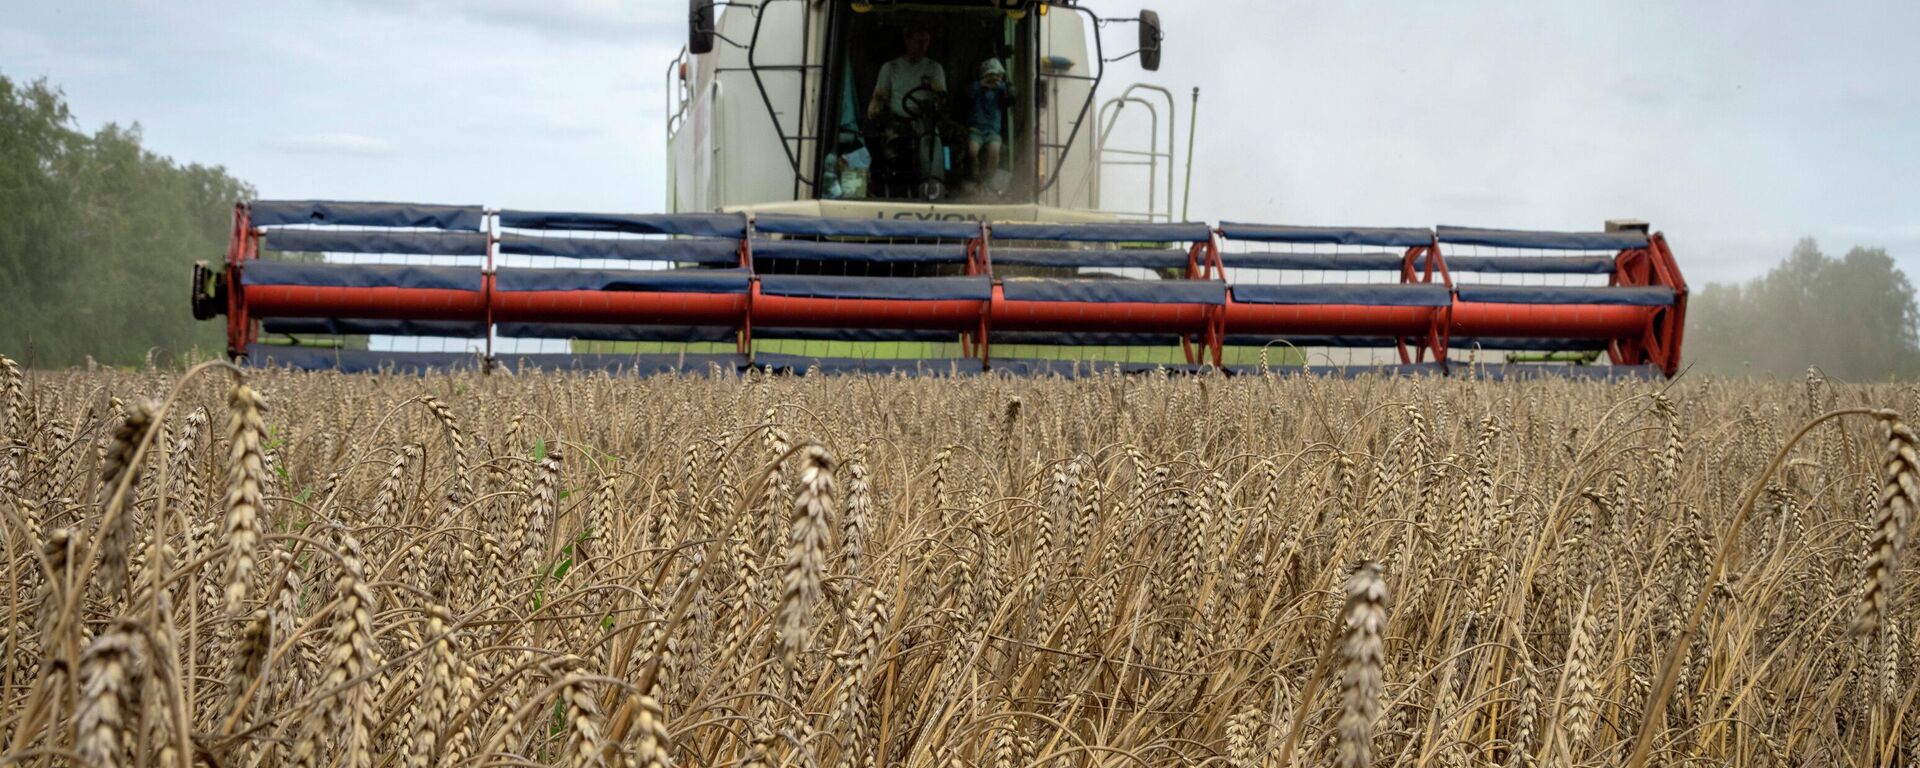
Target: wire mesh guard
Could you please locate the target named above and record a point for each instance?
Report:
(372, 286)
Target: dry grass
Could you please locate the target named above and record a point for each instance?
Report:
(584, 571)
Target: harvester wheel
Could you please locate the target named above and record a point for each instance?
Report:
(209, 292)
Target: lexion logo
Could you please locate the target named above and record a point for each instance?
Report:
(928, 216)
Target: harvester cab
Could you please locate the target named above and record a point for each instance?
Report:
(962, 110)
(930, 187)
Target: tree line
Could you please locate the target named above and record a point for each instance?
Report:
(1852, 317)
(98, 236)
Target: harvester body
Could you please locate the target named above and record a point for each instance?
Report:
(780, 115)
(829, 212)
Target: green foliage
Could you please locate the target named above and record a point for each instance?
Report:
(98, 237)
(1852, 317)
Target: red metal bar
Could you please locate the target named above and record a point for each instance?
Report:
(743, 337)
(1125, 317)
(1327, 320)
(1672, 326)
(806, 312)
(236, 300)
(1548, 321)
(1406, 276)
(1438, 337)
(369, 303)
(979, 262)
(1634, 334)
(620, 307)
(492, 228)
(623, 307)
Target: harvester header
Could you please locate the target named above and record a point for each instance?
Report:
(502, 278)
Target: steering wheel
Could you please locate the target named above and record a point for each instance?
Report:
(919, 102)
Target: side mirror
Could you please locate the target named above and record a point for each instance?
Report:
(700, 27)
(1150, 41)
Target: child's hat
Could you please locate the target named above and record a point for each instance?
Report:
(992, 67)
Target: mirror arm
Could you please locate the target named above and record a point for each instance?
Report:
(751, 8)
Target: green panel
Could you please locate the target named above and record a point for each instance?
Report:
(916, 350)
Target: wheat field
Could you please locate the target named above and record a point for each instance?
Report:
(331, 570)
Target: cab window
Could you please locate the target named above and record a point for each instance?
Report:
(927, 104)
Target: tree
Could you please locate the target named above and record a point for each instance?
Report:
(1852, 317)
(98, 237)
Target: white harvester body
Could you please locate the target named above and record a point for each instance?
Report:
(775, 117)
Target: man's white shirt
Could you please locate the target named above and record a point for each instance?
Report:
(900, 77)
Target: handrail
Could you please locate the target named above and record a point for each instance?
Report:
(1171, 153)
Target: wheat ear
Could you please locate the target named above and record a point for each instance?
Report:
(1899, 493)
(1362, 652)
(109, 687)
(116, 473)
(246, 473)
(806, 554)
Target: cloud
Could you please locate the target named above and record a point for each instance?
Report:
(31, 55)
(346, 144)
(609, 21)
(1401, 114)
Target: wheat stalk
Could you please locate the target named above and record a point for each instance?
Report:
(246, 473)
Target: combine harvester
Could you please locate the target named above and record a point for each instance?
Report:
(919, 187)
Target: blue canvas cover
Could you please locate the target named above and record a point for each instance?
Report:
(1078, 369)
(1521, 343)
(1059, 257)
(358, 360)
(630, 365)
(978, 288)
(1384, 370)
(321, 275)
(652, 280)
(1375, 295)
(1391, 237)
(378, 241)
(722, 225)
(273, 213)
(1282, 342)
(706, 252)
(857, 334)
(776, 224)
(1456, 343)
(1114, 291)
(597, 332)
(1527, 371)
(1104, 233)
(1535, 265)
(1651, 296)
(1071, 339)
(1352, 262)
(850, 365)
(1560, 241)
(869, 253)
(330, 326)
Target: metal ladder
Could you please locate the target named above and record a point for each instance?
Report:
(1160, 209)
(795, 144)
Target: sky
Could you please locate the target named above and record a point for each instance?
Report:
(1735, 127)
